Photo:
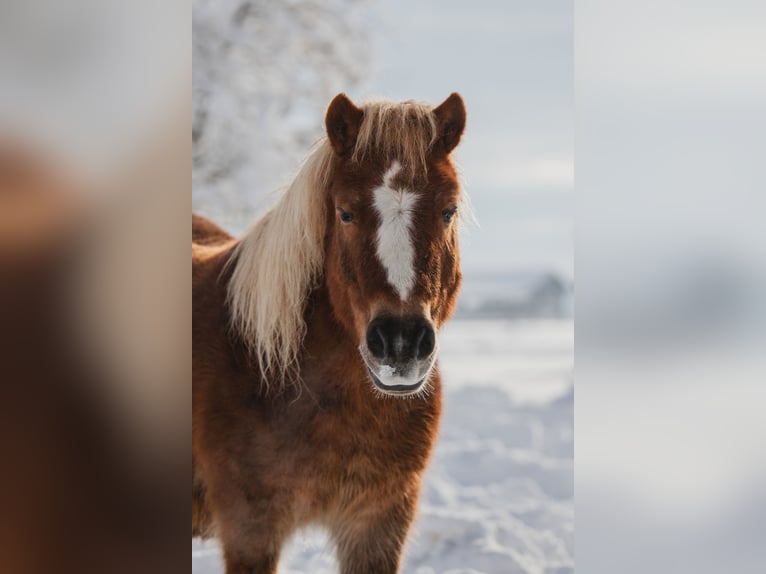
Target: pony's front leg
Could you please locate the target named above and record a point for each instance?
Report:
(252, 546)
(253, 550)
(374, 544)
(251, 529)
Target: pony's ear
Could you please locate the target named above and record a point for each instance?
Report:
(342, 122)
(450, 121)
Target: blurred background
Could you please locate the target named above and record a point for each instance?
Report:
(671, 272)
(498, 496)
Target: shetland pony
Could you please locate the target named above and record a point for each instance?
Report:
(316, 394)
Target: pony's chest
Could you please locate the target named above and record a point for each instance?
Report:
(365, 438)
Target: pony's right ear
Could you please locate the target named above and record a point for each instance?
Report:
(342, 122)
(450, 119)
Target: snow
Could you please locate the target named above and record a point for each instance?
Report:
(498, 495)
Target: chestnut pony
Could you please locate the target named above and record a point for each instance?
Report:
(316, 395)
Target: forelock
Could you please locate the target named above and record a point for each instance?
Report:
(397, 131)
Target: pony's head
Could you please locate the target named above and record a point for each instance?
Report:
(372, 213)
(391, 242)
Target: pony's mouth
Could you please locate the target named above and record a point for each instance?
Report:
(398, 389)
(400, 380)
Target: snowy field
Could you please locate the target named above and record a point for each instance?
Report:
(498, 496)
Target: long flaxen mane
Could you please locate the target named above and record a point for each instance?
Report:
(281, 258)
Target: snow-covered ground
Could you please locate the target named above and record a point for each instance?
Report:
(498, 496)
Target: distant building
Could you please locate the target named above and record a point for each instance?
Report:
(516, 295)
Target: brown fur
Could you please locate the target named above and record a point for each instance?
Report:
(332, 450)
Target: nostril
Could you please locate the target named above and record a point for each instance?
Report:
(421, 333)
(376, 342)
(381, 336)
(425, 341)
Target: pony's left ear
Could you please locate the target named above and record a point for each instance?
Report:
(342, 123)
(450, 121)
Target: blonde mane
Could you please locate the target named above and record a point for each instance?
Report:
(280, 259)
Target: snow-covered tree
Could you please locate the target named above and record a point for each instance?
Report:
(264, 71)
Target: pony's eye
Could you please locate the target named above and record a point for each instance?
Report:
(449, 214)
(345, 216)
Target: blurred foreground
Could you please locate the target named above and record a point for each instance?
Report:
(94, 362)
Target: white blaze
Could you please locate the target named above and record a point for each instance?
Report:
(395, 249)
